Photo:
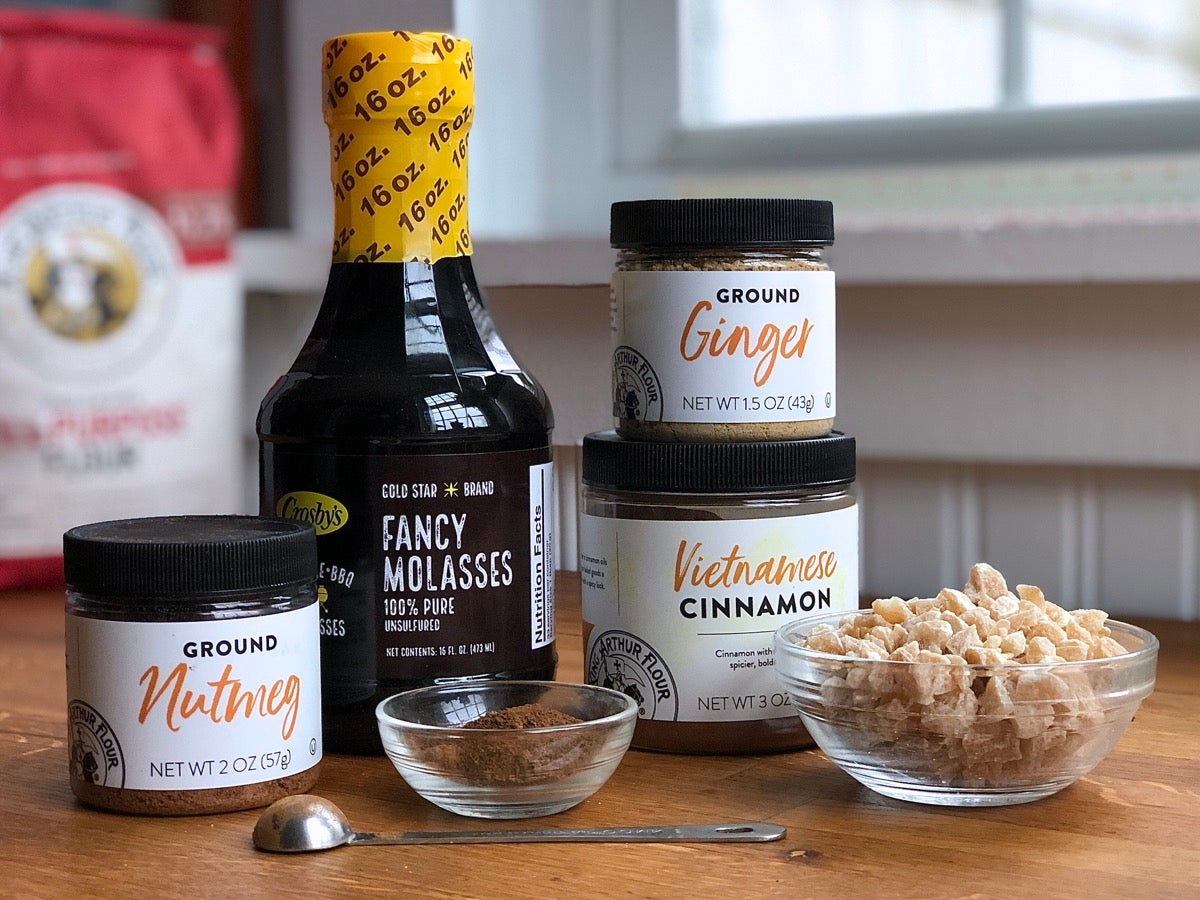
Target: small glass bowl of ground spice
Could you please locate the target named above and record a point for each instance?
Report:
(506, 749)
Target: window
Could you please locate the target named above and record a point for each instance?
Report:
(762, 61)
(910, 81)
(1097, 51)
(767, 62)
(908, 114)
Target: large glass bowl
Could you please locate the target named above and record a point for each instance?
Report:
(505, 773)
(934, 732)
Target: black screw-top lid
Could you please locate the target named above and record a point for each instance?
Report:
(717, 221)
(726, 467)
(179, 556)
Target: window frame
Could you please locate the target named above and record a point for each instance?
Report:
(1002, 134)
(1009, 131)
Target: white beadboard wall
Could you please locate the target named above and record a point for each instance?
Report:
(1050, 430)
(1124, 540)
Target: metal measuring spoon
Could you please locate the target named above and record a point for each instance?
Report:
(306, 822)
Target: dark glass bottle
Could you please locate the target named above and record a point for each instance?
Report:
(405, 432)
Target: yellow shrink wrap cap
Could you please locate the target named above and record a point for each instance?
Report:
(399, 107)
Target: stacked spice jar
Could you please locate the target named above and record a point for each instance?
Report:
(722, 505)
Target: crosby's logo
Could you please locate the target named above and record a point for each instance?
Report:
(637, 395)
(87, 277)
(96, 756)
(323, 513)
(627, 663)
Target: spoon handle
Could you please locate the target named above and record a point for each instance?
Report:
(734, 832)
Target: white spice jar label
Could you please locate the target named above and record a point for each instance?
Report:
(180, 706)
(724, 347)
(680, 614)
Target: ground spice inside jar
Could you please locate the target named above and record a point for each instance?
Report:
(723, 319)
(691, 555)
(193, 667)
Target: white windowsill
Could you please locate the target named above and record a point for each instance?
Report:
(283, 262)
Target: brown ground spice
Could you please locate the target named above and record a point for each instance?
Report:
(530, 715)
(516, 756)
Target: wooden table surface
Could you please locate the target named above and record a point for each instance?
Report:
(1130, 829)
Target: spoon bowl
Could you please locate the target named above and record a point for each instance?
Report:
(301, 823)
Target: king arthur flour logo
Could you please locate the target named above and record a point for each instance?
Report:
(637, 392)
(629, 664)
(96, 755)
(86, 277)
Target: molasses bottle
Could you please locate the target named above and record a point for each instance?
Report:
(405, 433)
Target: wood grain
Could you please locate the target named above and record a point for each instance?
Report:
(1128, 829)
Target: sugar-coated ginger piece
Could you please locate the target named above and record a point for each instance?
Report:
(1093, 620)
(1040, 650)
(995, 700)
(1001, 607)
(1032, 593)
(824, 639)
(955, 601)
(1013, 643)
(891, 609)
(932, 634)
(985, 581)
(985, 656)
(1050, 630)
(962, 640)
(1073, 650)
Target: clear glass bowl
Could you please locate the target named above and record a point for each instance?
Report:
(505, 773)
(935, 732)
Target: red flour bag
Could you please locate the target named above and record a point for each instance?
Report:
(120, 312)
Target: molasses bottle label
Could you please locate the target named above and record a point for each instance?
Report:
(421, 557)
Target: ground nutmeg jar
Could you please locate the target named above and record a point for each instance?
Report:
(193, 663)
(692, 554)
(723, 315)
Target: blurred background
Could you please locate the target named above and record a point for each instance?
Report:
(1017, 192)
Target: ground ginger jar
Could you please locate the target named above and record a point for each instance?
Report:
(193, 663)
(723, 318)
(691, 556)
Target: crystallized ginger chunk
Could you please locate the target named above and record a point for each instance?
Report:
(984, 581)
(893, 610)
(954, 601)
